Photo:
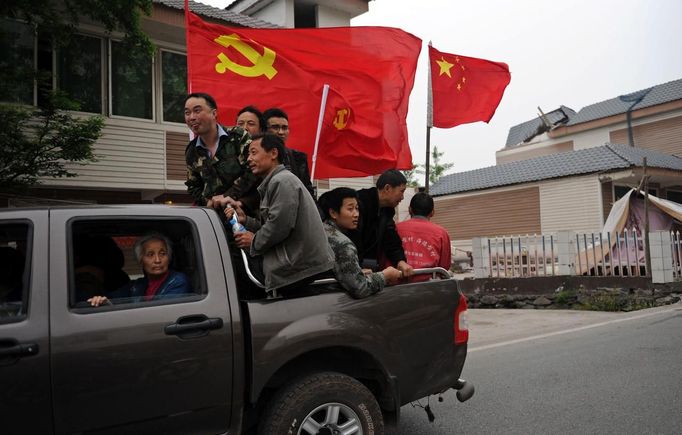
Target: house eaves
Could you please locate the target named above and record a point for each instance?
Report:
(230, 17)
(586, 161)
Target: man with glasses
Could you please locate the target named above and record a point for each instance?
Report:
(277, 122)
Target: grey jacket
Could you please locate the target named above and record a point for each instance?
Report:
(289, 235)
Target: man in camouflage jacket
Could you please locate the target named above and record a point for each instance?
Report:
(216, 157)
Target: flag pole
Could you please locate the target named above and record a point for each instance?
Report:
(189, 63)
(323, 103)
(429, 124)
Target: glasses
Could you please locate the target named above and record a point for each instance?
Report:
(278, 127)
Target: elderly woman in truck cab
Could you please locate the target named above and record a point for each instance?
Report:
(342, 215)
(154, 253)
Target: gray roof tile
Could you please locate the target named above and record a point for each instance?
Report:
(586, 161)
(656, 95)
(220, 14)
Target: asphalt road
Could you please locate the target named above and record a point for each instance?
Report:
(565, 372)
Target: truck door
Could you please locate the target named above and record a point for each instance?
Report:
(24, 341)
(147, 363)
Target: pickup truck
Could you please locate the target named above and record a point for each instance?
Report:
(222, 359)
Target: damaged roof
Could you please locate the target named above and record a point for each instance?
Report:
(219, 14)
(655, 95)
(586, 161)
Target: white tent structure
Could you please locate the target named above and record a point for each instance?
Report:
(621, 241)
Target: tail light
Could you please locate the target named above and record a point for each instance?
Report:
(461, 321)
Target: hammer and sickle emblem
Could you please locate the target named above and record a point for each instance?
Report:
(260, 64)
(341, 118)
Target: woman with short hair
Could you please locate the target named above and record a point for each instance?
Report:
(154, 252)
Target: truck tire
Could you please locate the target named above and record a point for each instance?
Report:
(323, 403)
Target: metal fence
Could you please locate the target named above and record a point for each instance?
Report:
(676, 247)
(595, 254)
(610, 254)
(519, 256)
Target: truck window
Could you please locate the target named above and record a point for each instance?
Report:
(134, 262)
(15, 267)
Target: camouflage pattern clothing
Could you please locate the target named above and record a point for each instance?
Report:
(347, 269)
(225, 172)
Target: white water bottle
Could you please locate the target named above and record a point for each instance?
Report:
(234, 223)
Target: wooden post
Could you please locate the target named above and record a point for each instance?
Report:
(647, 251)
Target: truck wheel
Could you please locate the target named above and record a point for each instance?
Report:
(324, 404)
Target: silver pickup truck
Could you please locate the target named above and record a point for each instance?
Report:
(217, 359)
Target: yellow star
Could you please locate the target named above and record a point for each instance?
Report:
(444, 67)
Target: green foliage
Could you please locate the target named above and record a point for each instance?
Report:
(436, 169)
(615, 302)
(60, 18)
(39, 142)
(410, 175)
(565, 297)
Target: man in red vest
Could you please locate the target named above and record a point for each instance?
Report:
(426, 244)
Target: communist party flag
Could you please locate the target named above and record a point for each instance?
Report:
(370, 71)
(465, 89)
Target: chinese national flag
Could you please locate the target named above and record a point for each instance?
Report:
(370, 71)
(465, 89)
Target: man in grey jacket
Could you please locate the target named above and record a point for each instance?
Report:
(289, 235)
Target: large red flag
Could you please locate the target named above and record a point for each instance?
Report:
(370, 71)
(465, 89)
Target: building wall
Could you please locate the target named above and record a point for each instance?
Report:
(280, 12)
(132, 154)
(493, 212)
(663, 135)
(523, 153)
(329, 17)
(571, 203)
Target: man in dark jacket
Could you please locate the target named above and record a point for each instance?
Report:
(376, 235)
(277, 122)
(216, 158)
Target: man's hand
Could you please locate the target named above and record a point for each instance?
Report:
(405, 268)
(96, 301)
(243, 240)
(391, 274)
(231, 210)
(220, 201)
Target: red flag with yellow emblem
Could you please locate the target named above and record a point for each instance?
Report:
(465, 89)
(370, 71)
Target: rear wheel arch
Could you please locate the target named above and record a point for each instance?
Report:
(349, 361)
(322, 402)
